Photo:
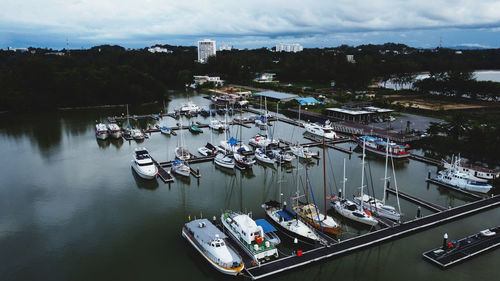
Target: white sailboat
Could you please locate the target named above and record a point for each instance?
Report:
(261, 156)
(181, 152)
(223, 160)
(378, 206)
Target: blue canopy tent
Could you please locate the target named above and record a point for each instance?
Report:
(308, 101)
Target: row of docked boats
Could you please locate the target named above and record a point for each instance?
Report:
(103, 131)
(456, 174)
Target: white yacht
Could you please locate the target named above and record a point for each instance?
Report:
(301, 152)
(101, 132)
(217, 125)
(223, 160)
(210, 242)
(475, 173)
(182, 153)
(462, 181)
(288, 222)
(189, 107)
(243, 229)
(243, 162)
(181, 168)
(262, 141)
(143, 164)
(114, 130)
(321, 131)
(282, 157)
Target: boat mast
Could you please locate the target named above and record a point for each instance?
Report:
(362, 175)
(385, 172)
(324, 176)
(343, 182)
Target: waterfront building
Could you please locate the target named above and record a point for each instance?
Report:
(290, 48)
(206, 48)
(265, 78)
(202, 79)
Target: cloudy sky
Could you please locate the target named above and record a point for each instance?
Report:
(249, 24)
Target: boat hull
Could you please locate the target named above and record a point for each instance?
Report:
(292, 235)
(349, 214)
(331, 230)
(221, 269)
(224, 164)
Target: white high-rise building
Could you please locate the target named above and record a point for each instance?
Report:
(289, 48)
(206, 48)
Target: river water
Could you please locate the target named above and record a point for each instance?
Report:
(71, 208)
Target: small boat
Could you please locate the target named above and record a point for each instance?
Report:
(137, 134)
(321, 131)
(101, 132)
(181, 168)
(194, 129)
(223, 160)
(213, 112)
(379, 146)
(261, 122)
(114, 130)
(166, 130)
(234, 146)
(269, 231)
(204, 113)
(301, 152)
(462, 181)
(312, 216)
(243, 162)
(262, 157)
(207, 150)
(143, 164)
(288, 222)
(210, 242)
(249, 236)
(280, 156)
(221, 111)
(182, 154)
(217, 125)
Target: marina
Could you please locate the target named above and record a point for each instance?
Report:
(245, 189)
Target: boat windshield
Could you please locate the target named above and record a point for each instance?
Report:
(145, 164)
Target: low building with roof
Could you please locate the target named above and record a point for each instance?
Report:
(276, 96)
(362, 115)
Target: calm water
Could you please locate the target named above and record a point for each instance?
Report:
(71, 208)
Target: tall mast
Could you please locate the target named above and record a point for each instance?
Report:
(343, 182)
(363, 172)
(385, 173)
(324, 176)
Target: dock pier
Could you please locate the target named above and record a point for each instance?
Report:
(465, 192)
(428, 205)
(370, 239)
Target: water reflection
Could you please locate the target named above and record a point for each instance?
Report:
(103, 144)
(143, 183)
(117, 142)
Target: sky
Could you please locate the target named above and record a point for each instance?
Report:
(249, 23)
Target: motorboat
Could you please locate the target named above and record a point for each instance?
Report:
(194, 129)
(137, 134)
(269, 231)
(143, 164)
(301, 152)
(462, 181)
(210, 242)
(182, 153)
(262, 141)
(189, 107)
(207, 150)
(223, 160)
(287, 221)
(310, 214)
(280, 156)
(166, 130)
(379, 146)
(261, 156)
(243, 162)
(249, 236)
(114, 130)
(101, 132)
(179, 167)
(217, 125)
(321, 131)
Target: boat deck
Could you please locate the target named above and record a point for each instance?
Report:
(369, 239)
(464, 249)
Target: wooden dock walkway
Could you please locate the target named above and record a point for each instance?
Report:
(464, 249)
(370, 239)
(425, 159)
(164, 175)
(465, 192)
(418, 201)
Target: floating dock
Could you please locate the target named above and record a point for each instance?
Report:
(418, 201)
(369, 239)
(164, 175)
(464, 248)
(426, 160)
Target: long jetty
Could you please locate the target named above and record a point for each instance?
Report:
(418, 201)
(370, 239)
